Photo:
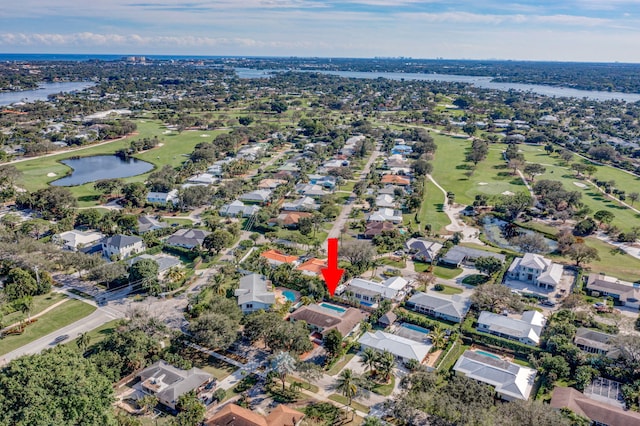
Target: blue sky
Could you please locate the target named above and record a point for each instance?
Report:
(570, 30)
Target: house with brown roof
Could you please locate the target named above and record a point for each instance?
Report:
(234, 415)
(325, 317)
(271, 183)
(276, 258)
(600, 413)
(312, 267)
(289, 219)
(376, 228)
(396, 180)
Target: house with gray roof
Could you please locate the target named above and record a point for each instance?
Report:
(163, 198)
(423, 250)
(148, 223)
(187, 238)
(386, 200)
(623, 292)
(595, 342)
(122, 246)
(511, 381)
(164, 261)
(238, 209)
(75, 240)
(459, 255)
(527, 329)
(535, 269)
(386, 215)
(257, 196)
(403, 349)
(309, 190)
(447, 307)
(168, 383)
(302, 204)
(255, 293)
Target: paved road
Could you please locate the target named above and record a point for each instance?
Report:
(99, 317)
(342, 218)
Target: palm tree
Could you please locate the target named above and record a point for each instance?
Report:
(283, 364)
(217, 283)
(175, 274)
(384, 365)
(437, 337)
(346, 384)
(83, 341)
(369, 358)
(26, 304)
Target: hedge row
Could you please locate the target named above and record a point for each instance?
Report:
(495, 341)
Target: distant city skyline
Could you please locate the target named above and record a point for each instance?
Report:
(564, 30)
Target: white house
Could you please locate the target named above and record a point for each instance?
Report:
(371, 291)
(203, 179)
(74, 240)
(385, 200)
(238, 209)
(122, 246)
(169, 383)
(254, 293)
(163, 197)
(301, 204)
(257, 196)
(525, 330)
(511, 381)
(402, 348)
(386, 215)
(451, 308)
(536, 269)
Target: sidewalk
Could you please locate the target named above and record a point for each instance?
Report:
(39, 314)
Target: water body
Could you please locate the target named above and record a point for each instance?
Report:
(41, 94)
(482, 82)
(94, 168)
(494, 231)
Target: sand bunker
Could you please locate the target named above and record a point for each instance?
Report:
(482, 183)
(204, 135)
(508, 193)
(166, 132)
(580, 185)
(51, 174)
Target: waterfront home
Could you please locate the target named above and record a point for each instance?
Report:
(163, 198)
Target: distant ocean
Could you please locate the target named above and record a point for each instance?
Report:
(4, 57)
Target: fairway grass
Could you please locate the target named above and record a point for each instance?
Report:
(175, 147)
(65, 314)
(432, 209)
(625, 218)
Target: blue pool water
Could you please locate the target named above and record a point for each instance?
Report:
(362, 302)
(415, 328)
(488, 354)
(291, 296)
(333, 307)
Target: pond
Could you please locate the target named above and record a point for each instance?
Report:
(42, 92)
(494, 231)
(97, 167)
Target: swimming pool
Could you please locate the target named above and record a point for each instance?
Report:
(363, 303)
(415, 328)
(490, 355)
(289, 295)
(333, 308)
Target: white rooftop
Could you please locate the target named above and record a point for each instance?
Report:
(399, 346)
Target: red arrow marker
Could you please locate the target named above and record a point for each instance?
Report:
(332, 273)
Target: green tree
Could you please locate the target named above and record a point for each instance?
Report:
(604, 216)
(135, 194)
(368, 359)
(55, 383)
(83, 341)
(347, 385)
(488, 265)
(217, 240)
(214, 330)
(332, 342)
(19, 283)
(580, 252)
(283, 364)
(385, 363)
(145, 273)
(191, 410)
(534, 169)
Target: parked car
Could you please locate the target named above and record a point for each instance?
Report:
(210, 385)
(61, 338)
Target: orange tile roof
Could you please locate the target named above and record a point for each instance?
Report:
(277, 256)
(395, 179)
(313, 265)
(284, 416)
(235, 415)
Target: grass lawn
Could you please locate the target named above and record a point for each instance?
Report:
(338, 366)
(177, 221)
(214, 366)
(97, 335)
(421, 267)
(343, 400)
(446, 273)
(431, 210)
(452, 356)
(65, 314)
(393, 263)
(385, 389)
(34, 172)
(447, 289)
(40, 303)
(625, 218)
(613, 262)
(475, 279)
(305, 385)
(491, 177)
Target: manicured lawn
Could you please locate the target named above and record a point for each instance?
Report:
(385, 389)
(40, 303)
(475, 279)
(613, 262)
(431, 210)
(393, 263)
(452, 356)
(342, 400)
(447, 289)
(177, 220)
(625, 218)
(63, 315)
(305, 385)
(451, 171)
(446, 273)
(171, 152)
(338, 366)
(421, 267)
(214, 366)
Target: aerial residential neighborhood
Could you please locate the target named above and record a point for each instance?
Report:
(491, 269)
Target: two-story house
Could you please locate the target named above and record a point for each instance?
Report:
(122, 246)
(535, 269)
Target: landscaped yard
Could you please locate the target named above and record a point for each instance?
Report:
(385, 389)
(40, 303)
(343, 400)
(338, 366)
(214, 366)
(63, 315)
(446, 273)
(475, 279)
(447, 289)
